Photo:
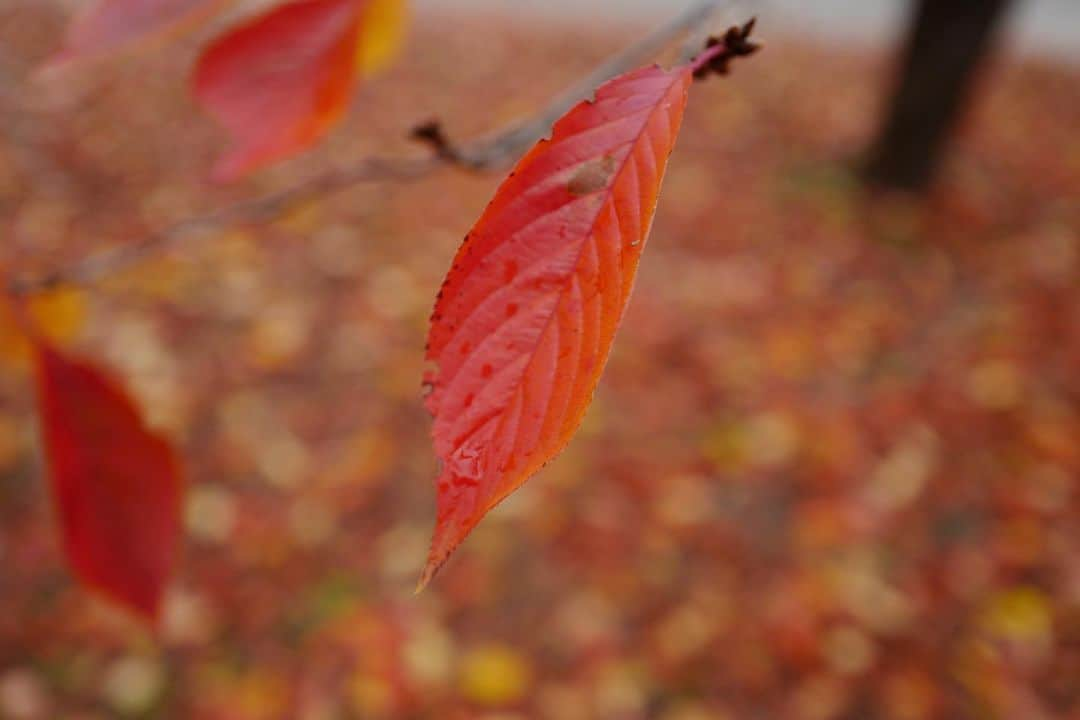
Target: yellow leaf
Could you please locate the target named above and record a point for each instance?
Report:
(1020, 615)
(57, 314)
(382, 33)
(494, 675)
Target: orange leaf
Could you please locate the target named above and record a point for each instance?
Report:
(57, 314)
(116, 485)
(383, 29)
(280, 83)
(109, 24)
(526, 317)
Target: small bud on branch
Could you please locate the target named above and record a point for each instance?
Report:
(720, 51)
(431, 133)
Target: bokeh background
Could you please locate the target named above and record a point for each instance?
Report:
(831, 471)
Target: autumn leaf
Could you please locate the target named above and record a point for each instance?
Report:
(383, 26)
(115, 484)
(280, 82)
(109, 24)
(526, 317)
(57, 314)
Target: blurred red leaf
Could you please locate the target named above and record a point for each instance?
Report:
(116, 485)
(527, 314)
(108, 24)
(281, 81)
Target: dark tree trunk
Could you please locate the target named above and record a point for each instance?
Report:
(946, 41)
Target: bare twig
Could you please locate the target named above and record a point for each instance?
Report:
(487, 152)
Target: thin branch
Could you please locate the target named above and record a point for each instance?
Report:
(487, 152)
(111, 260)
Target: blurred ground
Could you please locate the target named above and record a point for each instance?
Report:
(831, 472)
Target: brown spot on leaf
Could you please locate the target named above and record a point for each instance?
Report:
(592, 176)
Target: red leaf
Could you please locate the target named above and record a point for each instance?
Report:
(115, 484)
(527, 314)
(108, 24)
(280, 82)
